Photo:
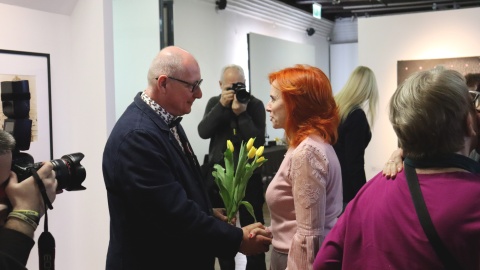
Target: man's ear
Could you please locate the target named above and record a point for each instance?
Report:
(162, 82)
(472, 125)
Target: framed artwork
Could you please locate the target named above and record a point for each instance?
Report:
(34, 68)
(464, 65)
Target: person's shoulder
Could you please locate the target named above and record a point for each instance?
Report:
(314, 144)
(253, 99)
(357, 113)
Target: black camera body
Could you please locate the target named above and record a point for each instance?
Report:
(243, 96)
(69, 173)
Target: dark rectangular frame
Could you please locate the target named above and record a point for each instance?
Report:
(40, 91)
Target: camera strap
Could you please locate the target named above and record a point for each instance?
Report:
(42, 188)
(46, 247)
(46, 242)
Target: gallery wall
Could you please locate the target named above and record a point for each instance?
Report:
(81, 79)
(382, 41)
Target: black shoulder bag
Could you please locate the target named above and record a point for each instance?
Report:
(420, 207)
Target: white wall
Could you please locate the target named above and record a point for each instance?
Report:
(344, 59)
(137, 41)
(81, 72)
(383, 41)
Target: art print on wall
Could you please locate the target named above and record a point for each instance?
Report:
(31, 69)
(464, 65)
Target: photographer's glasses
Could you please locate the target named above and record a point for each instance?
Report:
(475, 98)
(194, 85)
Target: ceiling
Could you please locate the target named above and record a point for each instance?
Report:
(64, 7)
(333, 9)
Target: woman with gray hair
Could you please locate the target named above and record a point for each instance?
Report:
(434, 118)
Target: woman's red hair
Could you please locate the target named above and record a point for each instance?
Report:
(309, 102)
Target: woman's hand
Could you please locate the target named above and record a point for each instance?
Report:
(394, 165)
(260, 231)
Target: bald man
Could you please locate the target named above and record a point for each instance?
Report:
(160, 214)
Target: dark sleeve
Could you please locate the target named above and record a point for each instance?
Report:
(357, 137)
(215, 115)
(251, 123)
(15, 248)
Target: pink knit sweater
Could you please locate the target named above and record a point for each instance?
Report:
(304, 199)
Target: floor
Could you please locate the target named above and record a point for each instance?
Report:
(240, 259)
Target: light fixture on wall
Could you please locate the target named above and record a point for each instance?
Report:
(221, 4)
(310, 31)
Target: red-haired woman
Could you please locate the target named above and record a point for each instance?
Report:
(305, 196)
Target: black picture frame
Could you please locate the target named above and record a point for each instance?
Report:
(34, 67)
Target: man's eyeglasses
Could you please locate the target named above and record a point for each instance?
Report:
(475, 98)
(194, 85)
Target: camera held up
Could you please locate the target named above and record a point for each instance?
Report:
(69, 173)
(15, 95)
(243, 96)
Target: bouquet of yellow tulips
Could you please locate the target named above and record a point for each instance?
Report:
(232, 183)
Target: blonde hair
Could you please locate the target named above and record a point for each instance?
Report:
(361, 87)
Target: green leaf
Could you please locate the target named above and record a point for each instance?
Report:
(249, 208)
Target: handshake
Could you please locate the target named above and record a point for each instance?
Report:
(256, 238)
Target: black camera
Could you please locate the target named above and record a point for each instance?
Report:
(69, 173)
(15, 96)
(243, 96)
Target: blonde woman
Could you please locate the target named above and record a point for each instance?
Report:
(359, 93)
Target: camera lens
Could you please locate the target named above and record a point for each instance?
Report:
(69, 172)
(243, 96)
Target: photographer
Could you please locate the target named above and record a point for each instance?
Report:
(237, 116)
(21, 207)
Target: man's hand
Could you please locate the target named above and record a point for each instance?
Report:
(26, 194)
(238, 107)
(227, 97)
(255, 245)
(221, 214)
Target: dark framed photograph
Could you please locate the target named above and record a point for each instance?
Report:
(464, 65)
(29, 72)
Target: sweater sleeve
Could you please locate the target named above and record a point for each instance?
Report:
(15, 248)
(309, 172)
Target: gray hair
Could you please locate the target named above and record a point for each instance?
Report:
(237, 68)
(7, 142)
(429, 113)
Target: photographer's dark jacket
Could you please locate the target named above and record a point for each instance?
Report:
(15, 248)
(218, 123)
(160, 214)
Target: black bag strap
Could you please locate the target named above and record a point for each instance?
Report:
(422, 212)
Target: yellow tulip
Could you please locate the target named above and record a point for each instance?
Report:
(252, 152)
(230, 145)
(260, 159)
(260, 151)
(250, 144)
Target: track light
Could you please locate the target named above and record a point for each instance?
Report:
(221, 4)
